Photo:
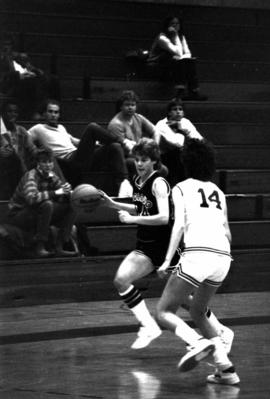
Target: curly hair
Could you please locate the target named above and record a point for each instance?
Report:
(199, 159)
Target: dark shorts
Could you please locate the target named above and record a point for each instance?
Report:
(156, 251)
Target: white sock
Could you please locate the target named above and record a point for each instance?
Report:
(220, 356)
(143, 315)
(215, 322)
(186, 333)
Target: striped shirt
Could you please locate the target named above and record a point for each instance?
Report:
(33, 188)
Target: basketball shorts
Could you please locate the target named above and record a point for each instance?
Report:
(155, 251)
(207, 267)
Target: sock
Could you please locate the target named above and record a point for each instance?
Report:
(220, 356)
(186, 333)
(137, 305)
(214, 321)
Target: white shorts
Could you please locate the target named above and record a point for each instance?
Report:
(207, 267)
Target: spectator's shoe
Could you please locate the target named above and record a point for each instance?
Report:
(203, 348)
(145, 336)
(64, 253)
(225, 377)
(226, 336)
(41, 252)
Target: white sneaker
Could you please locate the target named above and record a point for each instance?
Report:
(145, 336)
(125, 189)
(223, 377)
(226, 336)
(197, 353)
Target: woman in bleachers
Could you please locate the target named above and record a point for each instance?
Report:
(171, 57)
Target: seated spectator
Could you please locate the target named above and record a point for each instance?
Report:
(171, 57)
(40, 200)
(29, 85)
(17, 151)
(172, 132)
(130, 126)
(79, 156)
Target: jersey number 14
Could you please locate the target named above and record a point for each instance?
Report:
(214, 197)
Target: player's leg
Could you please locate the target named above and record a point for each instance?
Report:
(135, 266)
(175, 293)
(225, 333)
(225, 373)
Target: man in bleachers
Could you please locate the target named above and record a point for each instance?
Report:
(79, 156)
(17, 150)
(130, 127)
(172, 132)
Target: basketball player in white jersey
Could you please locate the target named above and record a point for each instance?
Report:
(201, 221)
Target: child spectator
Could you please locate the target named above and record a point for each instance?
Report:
(40, 200)
(171, 57)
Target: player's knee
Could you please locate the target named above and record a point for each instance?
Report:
(121, 283)
(160, 314)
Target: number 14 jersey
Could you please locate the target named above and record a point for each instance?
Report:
(205, 217)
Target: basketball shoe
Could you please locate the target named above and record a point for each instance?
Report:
(195, 354)
(224, 377)
(145, 336)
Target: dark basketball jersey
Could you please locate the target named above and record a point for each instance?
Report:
(146, 205)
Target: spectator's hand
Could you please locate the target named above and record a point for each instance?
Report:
(163, 270)
(125, 217)
(177, 57)
(66, 188)
(6, 151)
(27, 75)
(59, 191)
(129, 144)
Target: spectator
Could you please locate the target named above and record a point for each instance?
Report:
(25, 82)
(17, 151)
(130, 126)
(40, 200)
(171, 57)
(172, 132)
(78, 156)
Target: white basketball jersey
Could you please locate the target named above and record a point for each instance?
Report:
(205, 216)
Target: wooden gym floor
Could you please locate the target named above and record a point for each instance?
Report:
(81, 350)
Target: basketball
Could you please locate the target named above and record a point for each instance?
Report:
(85, 198)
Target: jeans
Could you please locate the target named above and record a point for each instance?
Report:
(40, 217)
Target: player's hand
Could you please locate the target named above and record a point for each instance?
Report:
(106, 200)
(163, 270)
(125, 217)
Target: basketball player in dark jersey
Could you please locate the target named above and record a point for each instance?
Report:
(151, 211)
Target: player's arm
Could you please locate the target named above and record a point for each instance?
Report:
(226, 224)
(108, 201)
(177, 230)
(161, 192)
(75, 141)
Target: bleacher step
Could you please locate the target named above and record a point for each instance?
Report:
(42, 282)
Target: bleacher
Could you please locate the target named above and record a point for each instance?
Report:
(85, 42)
